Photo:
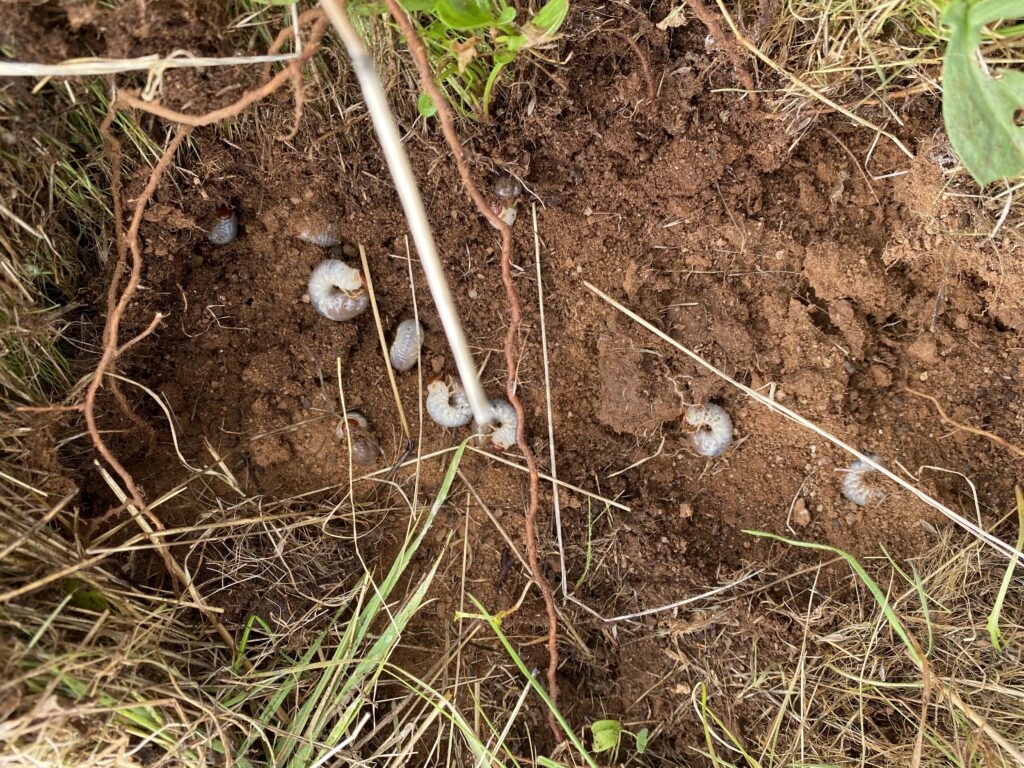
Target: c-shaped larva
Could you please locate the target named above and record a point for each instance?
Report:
(225, 226)
(336, 290)
(365, 450)
(857, 482)
(447, 404)
(502, 429)
(405, 349)
(714, 432)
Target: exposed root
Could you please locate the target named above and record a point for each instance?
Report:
(128, 243)
(419, 55)
(729, 45)
(652, 91)
(966, 427)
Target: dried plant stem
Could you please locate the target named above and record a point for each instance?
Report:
(419, 55)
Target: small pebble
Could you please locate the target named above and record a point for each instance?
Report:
(801, 516)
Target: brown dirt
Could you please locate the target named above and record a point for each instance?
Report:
(780, 264)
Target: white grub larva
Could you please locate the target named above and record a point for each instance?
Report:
(858, 483)
(324, 235)
(365, 450)
(507, 189)
(405, 349)
(714, 433)
(225, 226)
(336, 290)
(502, 429)
(447, 404)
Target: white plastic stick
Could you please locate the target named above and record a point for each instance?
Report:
(409, 193)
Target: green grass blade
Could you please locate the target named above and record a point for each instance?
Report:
(994, 633)
(894, 621)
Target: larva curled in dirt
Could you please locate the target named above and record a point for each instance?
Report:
(365, 449)
(336, 290)
(714, 433)
(858, 483)
(502, 429)
(225, 226)
(405, 349)
(507, 189)
(447, 404)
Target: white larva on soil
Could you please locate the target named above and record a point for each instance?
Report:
(225, 226)
(447, 404)
(405, 349)
(325, 235)
(714, 434)
(336, 290)
(502, 429)
(858, 482)
(365, 449)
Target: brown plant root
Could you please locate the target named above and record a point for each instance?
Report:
(128, 243)
(729, 45)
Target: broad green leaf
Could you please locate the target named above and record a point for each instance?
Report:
(426, 105)
(980, 110)
(606, 735)
(507, 16)
(642, 737)
(418, 5)
(465, 14)
(512, 44)
(551, 17)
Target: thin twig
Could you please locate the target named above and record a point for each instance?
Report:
(368, 278)
(547, 400)
(444, 114)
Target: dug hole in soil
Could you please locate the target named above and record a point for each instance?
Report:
(787, 264)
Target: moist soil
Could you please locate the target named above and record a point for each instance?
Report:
(782, 259)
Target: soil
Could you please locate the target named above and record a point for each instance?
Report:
(781, 260)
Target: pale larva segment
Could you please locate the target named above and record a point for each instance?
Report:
(325, 236)
(224, 230)
(859, 483)
(405, 349)
(502, 429)
(714, 434)
(448, 406)
(336, 290)
(365, 449)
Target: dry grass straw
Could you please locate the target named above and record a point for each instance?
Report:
(870, 60)
(844, 690)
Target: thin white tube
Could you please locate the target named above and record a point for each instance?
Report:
(408, 192)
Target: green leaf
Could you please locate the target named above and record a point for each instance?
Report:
(994, 632)
(418, 5)
(979, 110)
(426, 105)
(465, 14)
(606, 735)
(551, 17)
(507, 16)
(642, 737)
(84, 596)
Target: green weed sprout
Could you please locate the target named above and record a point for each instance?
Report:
(471, 42)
